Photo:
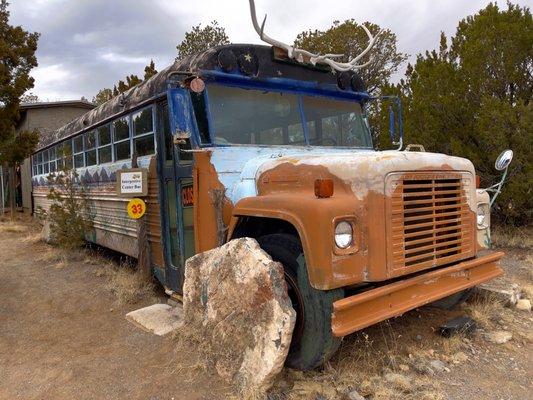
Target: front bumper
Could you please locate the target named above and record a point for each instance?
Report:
(364, 309)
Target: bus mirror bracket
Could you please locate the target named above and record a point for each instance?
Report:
(395, 119)
(181, 137)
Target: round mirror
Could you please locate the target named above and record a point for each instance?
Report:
(503, 160)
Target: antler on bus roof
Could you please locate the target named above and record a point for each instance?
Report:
(300, 54)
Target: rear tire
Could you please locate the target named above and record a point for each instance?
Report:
(313, 342)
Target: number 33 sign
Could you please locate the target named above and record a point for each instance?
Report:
(136, 208)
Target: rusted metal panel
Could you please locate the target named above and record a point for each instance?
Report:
(113, 228)
(362, 310)
(283, 188)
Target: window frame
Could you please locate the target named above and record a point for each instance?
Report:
(94, 148)
(127, 118)
(109, 125)
(143, 135)
(75, 153)
(299, 94)
(38, 157)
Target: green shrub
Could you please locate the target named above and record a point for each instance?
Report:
(69, 214)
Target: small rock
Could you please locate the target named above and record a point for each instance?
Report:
(437, 365)
(354, 395)
(447, 369)
(419, 338)
(498, 337)
(404, 367)
(459, 325)
(422, 368)
(400, 381)
(459, 357)
(505, 294)
(173, 302)
(523, 305)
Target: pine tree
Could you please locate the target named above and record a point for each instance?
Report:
(199, 39)
(472, 98)
(17, 59)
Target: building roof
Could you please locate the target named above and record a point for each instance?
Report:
(63, 103)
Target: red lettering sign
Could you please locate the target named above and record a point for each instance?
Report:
(187, 196)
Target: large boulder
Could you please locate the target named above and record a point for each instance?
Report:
(235, 298)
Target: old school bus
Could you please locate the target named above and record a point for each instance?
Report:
(243, 141)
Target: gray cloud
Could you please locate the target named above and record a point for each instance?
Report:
(86, 45)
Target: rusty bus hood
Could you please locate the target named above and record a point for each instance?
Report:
(279, 182)
(365, 171)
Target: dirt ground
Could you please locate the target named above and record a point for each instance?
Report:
(63, 335)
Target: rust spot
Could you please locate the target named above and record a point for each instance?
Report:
(212, 208)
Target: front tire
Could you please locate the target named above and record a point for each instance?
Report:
(313, 342)
(452, 301)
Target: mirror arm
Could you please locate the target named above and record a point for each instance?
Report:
(497, 188)
(398, 102)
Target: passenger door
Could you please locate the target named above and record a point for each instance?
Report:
(177, 188)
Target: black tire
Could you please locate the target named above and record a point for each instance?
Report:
(453, 300)
(313, 342)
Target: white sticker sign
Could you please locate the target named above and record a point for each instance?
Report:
(132, 182)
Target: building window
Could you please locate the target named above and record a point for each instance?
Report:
(121, 139)
(143, 132)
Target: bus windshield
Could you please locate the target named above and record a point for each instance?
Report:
(244, 116)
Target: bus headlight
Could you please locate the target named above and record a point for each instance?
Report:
(483, 215)
(343, 235)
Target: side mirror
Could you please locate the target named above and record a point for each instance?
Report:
(503, 160)
(501, 164)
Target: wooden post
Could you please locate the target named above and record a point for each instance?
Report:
(143, 255)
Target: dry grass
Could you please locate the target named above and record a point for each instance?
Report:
(380, 364)
(59, 258)
(526, 282)
(508, 236)
(127, 283)
(14, 226)
(486, 310)
(33, 237)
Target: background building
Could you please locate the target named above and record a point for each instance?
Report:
(47, 118)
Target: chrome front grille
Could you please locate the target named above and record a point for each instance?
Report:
(429, 220)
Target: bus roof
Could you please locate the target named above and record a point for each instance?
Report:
(258, 61)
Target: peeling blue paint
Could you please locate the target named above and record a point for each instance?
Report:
(237, 166)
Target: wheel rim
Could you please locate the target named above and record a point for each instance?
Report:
(297, 303)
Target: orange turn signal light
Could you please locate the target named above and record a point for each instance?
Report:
(323, 188)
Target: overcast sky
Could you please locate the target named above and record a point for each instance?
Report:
(86, 45)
